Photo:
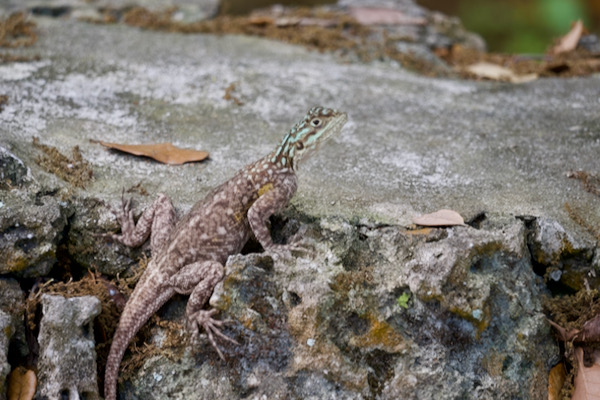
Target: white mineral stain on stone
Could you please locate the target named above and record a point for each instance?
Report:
(17, 71)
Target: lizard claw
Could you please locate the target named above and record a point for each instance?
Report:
(211, 326)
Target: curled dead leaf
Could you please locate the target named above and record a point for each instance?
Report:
(587, 380)
(496, 72)
(165, 153)
(22, 383)
(440, 218)
(590, 331)
(569, 41)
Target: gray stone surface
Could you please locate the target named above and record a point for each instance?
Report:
(11, 325)
(67, 361)
(413, 145)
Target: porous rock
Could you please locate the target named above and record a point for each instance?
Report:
(67, 362)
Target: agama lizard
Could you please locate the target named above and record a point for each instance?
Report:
(189, 255)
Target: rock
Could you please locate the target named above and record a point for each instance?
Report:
(67, 361)
(331, 319)
(7, 331)
(12, 170)
(31, 227)
(11, 325)
(569, 259)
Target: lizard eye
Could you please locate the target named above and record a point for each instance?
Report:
(299, 145)
(315, 122)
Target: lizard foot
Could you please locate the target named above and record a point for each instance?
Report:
(124, 216)
(211, 326)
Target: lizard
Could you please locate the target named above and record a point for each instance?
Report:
(188, 256)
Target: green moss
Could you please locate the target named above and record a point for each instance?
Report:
(403, 300)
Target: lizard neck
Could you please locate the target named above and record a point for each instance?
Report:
(306, 136)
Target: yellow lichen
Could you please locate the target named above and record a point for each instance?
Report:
(380, 335)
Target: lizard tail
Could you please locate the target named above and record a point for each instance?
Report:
(133, 318)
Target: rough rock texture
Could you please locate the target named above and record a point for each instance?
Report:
(331, 326)
(32, 220)
(67, 363)
(11, 324)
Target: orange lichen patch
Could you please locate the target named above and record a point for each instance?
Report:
(419, 232)
(16, 31)
(380, 335)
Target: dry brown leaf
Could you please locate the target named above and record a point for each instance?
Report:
(590, 331)
(569, 41)
(440, 218)
(165, 153)
(383, 16)
(556, 380)
(21, 384)
(498, 73)
(587, 380)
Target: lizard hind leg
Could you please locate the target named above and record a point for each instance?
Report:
(198, 280)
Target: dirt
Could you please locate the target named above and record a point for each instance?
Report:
(75, 169)
(578, 62)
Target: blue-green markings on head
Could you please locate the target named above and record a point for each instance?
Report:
(309, 134)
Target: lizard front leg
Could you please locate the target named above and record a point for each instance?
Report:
(159, 219)
(268, 204)
(198, 280)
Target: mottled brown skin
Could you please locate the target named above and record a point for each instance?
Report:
(189, 255)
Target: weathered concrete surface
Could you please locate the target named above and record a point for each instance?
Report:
(413, 145)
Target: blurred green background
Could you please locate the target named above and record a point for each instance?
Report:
(520, 26)
(511, 26)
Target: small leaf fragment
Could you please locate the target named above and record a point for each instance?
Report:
(165, 153)
(569, 41)
(21, 384)
(440, 218)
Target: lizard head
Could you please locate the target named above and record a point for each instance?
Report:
(318, 125)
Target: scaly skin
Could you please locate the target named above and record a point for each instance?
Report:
(189, 255)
